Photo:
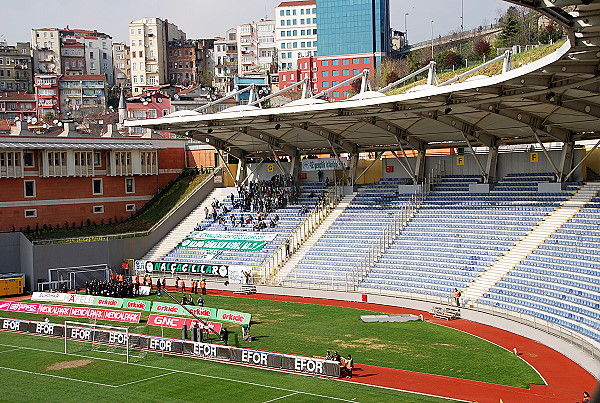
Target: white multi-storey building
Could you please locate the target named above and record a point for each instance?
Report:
(296, 32)
(52, 45)
(148, 39)
(225, 60)
(256, 47)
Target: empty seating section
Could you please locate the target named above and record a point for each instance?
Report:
(560, 281)
(457, 235)
(290, 218)
(337, 253)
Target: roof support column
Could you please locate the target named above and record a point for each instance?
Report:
(295, 167)
(353, 167)
(556, 171)
(590, 152)
(406, 164)
(281, 168)
(491, 166)
(337, 156)
(566, 159)
(483, 171)
(379, 155)
(242, 171)
(420, 166)
(224, 160)
(252, 173)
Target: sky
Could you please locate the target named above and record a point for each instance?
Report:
(210, 18)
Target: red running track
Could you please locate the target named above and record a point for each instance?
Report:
(565, 380)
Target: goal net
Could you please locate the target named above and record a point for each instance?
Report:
(83, 337)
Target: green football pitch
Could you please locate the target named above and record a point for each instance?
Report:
(34, 368)
(284, 327)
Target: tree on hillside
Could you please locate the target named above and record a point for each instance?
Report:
(482, 49)
(510, 32)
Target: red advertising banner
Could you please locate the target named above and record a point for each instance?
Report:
(72, 311)
(177, 323)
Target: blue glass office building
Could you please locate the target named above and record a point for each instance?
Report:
(353, 27)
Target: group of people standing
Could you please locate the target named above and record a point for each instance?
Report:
(346, 364)
(113, 288)
(194, 286)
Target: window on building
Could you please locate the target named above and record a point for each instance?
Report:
(355, 71)
(97, 188)
(97, 160)
(367, 60)
(28, 160)
(335, 73)
(288, 12)
(281, 13)
(325, 84)
(30, 213)
(56, 163)
(30, 190)
(325, 63)
(130, 207)
(149, 163)
(84, 163)
(336, 94)
(355, 61)
(346, 61)
(129, 185)
(346, 93)
(335, 62)
(325, 73)
(123, 164)
(151, 113)
(98, 209)
(346, 72)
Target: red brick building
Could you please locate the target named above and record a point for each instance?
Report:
(188, 60)
(71, 178)
(147, 106)
(325, 72)
(73, 57)
(17, 105)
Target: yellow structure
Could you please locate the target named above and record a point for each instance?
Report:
(12, 286)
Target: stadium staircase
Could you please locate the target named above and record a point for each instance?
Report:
(185, 227)
(312, 240)
(529, 243)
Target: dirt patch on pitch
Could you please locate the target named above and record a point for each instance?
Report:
(57, 366)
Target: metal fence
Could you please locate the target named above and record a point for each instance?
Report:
(269, 272)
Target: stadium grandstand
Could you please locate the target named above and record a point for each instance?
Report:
(482, 185)
(514, 231)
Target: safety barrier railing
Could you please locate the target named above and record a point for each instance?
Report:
(273, 263)
(588, 347)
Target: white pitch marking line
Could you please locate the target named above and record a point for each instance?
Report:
(282, 397)
(8, 351)
(57, 376)
(146, 379)
(187, 373)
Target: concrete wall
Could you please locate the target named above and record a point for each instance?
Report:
(35, 260)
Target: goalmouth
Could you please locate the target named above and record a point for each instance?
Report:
(118, 340)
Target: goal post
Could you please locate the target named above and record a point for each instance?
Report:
(118, 340)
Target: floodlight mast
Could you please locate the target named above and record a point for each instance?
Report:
(164, 289)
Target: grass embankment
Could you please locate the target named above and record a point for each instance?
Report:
(311, 330)
(518, 60)
(157, 208)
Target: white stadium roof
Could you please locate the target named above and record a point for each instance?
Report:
(554, 99)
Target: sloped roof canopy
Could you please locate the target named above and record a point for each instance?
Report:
(556, 98)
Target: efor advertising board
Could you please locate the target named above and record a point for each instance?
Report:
(258, 358)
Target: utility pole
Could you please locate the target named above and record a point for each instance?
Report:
(405, 30)
(432, 39)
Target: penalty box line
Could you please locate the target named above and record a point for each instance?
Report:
(171, 371)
